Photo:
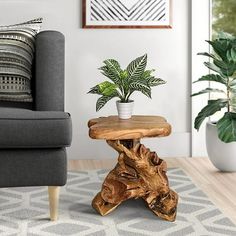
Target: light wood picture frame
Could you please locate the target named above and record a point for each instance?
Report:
(126, 14)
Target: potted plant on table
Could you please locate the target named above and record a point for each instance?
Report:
(123, 83)
(221, 135)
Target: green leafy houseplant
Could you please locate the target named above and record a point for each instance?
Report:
(224, 65)
(123, 83)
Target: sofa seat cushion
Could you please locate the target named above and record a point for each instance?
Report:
(23, 128)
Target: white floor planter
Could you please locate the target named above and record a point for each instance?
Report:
(222, 155)
(125, 109)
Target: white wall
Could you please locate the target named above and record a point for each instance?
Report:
(168, 52)
(201, 31)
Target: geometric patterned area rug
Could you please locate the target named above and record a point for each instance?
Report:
(24, 211)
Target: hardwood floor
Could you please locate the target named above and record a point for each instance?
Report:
(220, 187)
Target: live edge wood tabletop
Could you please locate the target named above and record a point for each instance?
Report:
(139, 173)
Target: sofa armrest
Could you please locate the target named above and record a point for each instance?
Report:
(49, 71)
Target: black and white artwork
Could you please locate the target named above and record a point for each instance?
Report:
(126, 13)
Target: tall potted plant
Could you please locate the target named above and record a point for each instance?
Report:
(123, 83)
(221, 135)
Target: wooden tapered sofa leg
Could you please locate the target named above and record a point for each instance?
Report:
(53, 195)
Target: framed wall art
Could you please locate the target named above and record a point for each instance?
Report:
(126, 13)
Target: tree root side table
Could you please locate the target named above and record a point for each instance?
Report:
(139, 172)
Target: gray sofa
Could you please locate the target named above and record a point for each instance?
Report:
(33, 136)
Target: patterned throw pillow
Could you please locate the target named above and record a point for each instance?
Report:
(17, 47)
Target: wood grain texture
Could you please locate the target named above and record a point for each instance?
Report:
(113, 128)
(53, 195)
(219, 187)
(139, 173)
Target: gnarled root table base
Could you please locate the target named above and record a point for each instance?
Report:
(139, 173)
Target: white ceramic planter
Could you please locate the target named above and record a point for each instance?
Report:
(125, 109)
(222, 155)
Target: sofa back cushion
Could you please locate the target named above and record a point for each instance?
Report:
(17, 48)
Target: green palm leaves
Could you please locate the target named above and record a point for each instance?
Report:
(227, 127)
(211, 108)
(223, 63)
(123, 83)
